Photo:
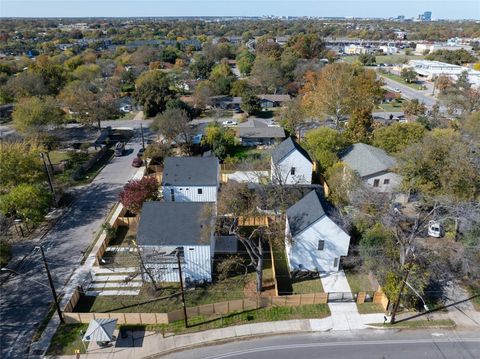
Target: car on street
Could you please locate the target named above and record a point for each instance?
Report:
(137, 162)
(140, 152)
(397, 90)
(119, 148)
(229, 123)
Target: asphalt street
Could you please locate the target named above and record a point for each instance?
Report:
(367, 344)
(26, 298)
(410, 94)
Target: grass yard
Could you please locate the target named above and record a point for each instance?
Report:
(307, 285)
(419, 324)
(387, 59)
(68, 336)
(67, 339)
(367, 308)
(395, 106)
(398, 79)
(360, 282)
(284, 282)
(58, 156)
(248, 153)
(169, 299)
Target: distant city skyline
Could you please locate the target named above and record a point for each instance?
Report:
(441, 9)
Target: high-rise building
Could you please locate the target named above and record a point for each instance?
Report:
(427, 16)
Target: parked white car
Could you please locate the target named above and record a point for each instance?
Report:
(229, 123)
(435, 229)
(126, 108)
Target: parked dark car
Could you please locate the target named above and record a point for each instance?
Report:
(119, 148)
(137, 162)
(140, 152)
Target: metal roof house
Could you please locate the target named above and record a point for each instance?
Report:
(165, 227)
(313, 241)
(190, 179)
(373, 165)
(257, 133)
(290, 164)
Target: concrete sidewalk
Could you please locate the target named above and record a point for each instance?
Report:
(149, 344)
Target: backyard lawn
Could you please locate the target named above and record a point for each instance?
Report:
(58, 156)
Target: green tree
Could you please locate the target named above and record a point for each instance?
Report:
(219, 138)
(323, 144)
(338, 89)
(245, 60)
(250, 103)
(34, 114)
(342, 181)
(201, 67)
(153, 91)
(267, 73)
(91, 102)
(367, 59)
(441, 164)
(397, 136)
(52, 74)
(222, 79)
(19, 163)
(27, 202)
(174, 125)
(359, 126)
(408, 74)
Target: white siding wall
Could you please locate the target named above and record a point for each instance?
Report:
(303, 169)
(190, 193)
(197, 265)
(304, 248)
(395, 181)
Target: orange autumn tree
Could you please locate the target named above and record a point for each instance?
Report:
(338, 89)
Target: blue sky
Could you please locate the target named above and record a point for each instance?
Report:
(444, 9)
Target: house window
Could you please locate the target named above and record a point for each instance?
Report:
(292, 171)
(376, 183)
(172, 194)
(199, 190)
(386, 181)
(335, 263)
(321, 245)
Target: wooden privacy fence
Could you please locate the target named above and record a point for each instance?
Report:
(226, 307)
(239, 305)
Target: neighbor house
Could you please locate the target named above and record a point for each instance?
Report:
(373, 165)
(290, 164)
(190, 179)
(256, 133)
(270, 101)
(168, 227)
(313, 241)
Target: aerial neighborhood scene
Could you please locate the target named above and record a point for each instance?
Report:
(248, 179)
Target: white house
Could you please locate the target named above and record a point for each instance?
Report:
(373, 165)
(190, 179)
(166, 227)
(290, 164)
(313, 241)
(353, 49)
(431, 70)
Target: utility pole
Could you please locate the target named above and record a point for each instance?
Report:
(50, 281)
(143, 139)
(181, 288)
(50, 183)
(397, 302)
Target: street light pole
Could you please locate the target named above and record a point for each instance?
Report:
(50, 281)
(143, 138)
(50, 183)
(181, 288)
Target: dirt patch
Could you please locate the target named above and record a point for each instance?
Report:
(250, 289)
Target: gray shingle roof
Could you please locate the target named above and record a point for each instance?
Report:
(261, 132)
(171, 223)
(284, 148)
(367, 160)
(305, 212)
(190, 171)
